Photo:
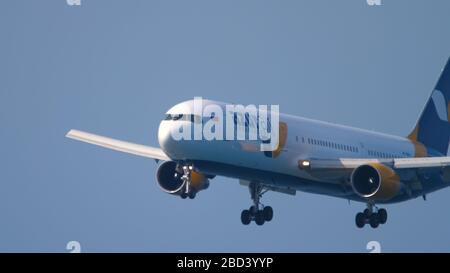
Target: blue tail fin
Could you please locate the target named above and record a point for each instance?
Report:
(433, 127)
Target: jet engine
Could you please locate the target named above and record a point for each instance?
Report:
(375, 181)
(173, 178)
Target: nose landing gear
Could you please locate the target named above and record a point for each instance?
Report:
(188, 191)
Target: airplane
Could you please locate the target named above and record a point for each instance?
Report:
(310, 156)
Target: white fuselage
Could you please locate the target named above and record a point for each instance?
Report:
(305, 139)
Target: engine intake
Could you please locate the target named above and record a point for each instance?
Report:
(375, 181)
(169, 177)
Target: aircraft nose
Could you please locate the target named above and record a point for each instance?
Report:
(164, 137)
(174, 147)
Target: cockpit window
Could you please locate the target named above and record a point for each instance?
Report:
(177, 117)
(188, 117)
(194, 118)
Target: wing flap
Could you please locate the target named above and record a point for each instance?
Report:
(422, 162)
(118, 145)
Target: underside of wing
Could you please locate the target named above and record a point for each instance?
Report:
(397, 163)
(284, 190)
(118, 145)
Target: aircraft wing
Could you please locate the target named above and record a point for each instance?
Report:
(398, 163)
(118, 145)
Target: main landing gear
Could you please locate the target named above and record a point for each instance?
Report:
(257, 212)
(371, 216)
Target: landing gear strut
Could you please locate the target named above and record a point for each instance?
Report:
(257, 212)
(371, 216)
(187, 191)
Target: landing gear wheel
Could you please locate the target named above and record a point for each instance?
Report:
(191, 194)
(183, 195)
(360, 219)
(257, 212)
(253, 210)
(372, 215)
(382, 216)
(246, 218)
(268, 213)
(259, 218)
(374, 221)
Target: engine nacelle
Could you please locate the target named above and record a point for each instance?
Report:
(375, 181)
(169, 177)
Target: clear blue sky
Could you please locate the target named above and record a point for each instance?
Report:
(115, 67)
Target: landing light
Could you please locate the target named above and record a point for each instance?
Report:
(304, 164)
